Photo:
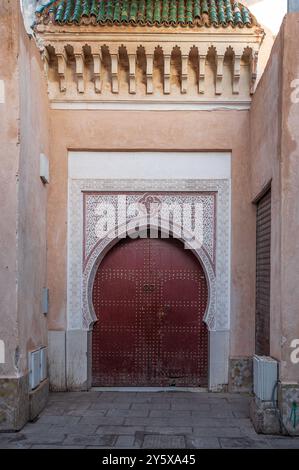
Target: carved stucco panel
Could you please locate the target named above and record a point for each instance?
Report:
(216, 240)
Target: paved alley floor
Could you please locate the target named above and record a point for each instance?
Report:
(144, 420)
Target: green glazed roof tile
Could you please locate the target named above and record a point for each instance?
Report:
(124, 11)
(173, 13)
(181, 12)
(237, 13)
(197, 9)
(94, 9)
(165, 11)
(110, 9)
(229, 11)
(149, 11)
(213, 13)
(134, 10)
(68, 11)
(101, 14)
(157, 12)
(189, 11)
(221, 12)
(86, 8)
(116, 14)
(60, 12)
(246, 15)
(77, 12)
(205, 7)
(141, 12)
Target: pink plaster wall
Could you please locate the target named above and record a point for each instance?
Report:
(9, 150)
(32, 220)
(23, 135)
(274, 121)
(290, 198)
(154, 130)
(265, 123)
(264, 145)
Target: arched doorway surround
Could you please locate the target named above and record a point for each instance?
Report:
(102, 248)
(79, 306)
(150, 297)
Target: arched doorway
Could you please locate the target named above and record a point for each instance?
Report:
(150, 297)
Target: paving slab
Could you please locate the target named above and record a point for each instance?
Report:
(49, 446)
(170, 414)
(120, 430)
(53, 438)
(190, 406)
(103, 405)
(152, 441)
(243, 443)
(123, 420)
(168, 430)
(128, 413)
(285, 443)
(202, 442)
(106, 440)
(125, 442)
(217, 432)
(62, 419)
(79, 428)
(151, 406)
(15, 446)
(104, 420)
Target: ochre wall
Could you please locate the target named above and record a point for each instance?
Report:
(267, 151)
(9, 146)
(154, 130)
(23, 135)
(290, 198)
(274, 121)
(265, 159)
(32, 229)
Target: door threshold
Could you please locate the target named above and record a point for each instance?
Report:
(150, 389)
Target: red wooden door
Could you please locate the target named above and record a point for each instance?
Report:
(150, 296)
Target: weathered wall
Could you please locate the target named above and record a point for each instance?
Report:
(9, 137)
(290, 197)
(265, 123)
(274, 120)
(23, 135)
(32, 232)
(180, 130)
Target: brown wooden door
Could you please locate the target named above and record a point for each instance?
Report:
(150, 297)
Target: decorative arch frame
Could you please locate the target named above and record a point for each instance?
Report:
(102, 248)
(79, 312)
(80, 315)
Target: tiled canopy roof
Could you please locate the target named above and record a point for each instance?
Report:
(216, 13)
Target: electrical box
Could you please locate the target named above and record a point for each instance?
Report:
(34, 369)
(265, 376)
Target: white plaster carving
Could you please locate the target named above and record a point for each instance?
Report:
(80, 312)
(92, 201)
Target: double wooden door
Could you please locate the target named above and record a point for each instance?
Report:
(150, 297)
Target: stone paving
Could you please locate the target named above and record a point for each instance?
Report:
(178, 420)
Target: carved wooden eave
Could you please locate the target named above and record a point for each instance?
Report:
(139, 64)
